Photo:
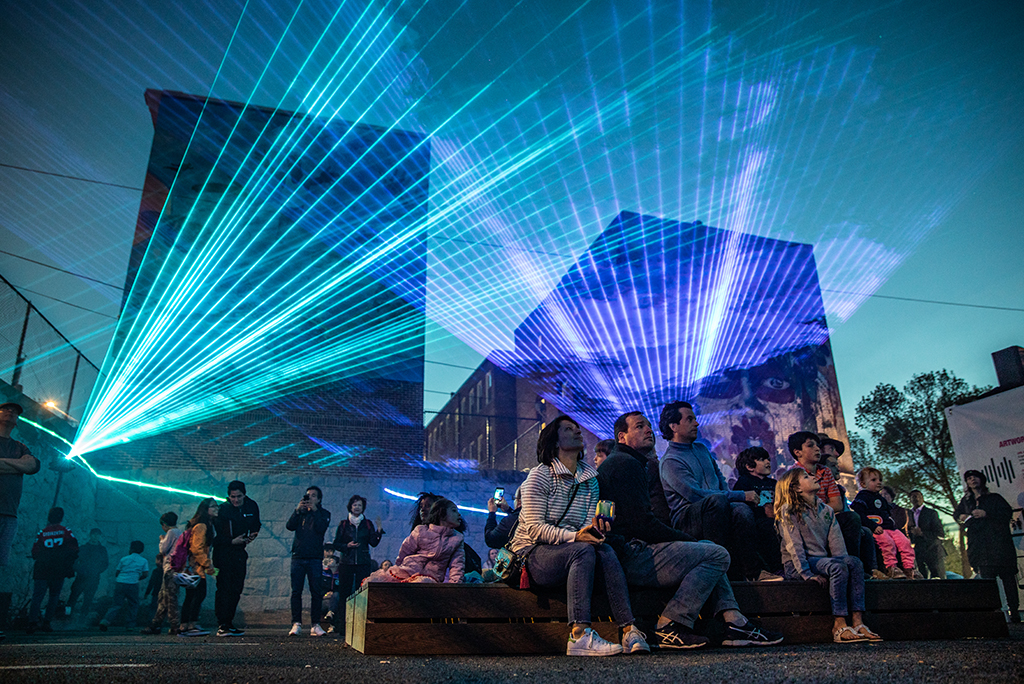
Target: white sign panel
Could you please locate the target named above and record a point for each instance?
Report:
(988, 435)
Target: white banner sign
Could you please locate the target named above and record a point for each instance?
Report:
(988, 435)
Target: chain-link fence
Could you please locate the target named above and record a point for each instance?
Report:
(39, 361)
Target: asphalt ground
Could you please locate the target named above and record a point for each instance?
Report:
(266, 655)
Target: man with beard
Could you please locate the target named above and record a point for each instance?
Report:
(655, 555)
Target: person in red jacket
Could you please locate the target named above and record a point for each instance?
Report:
(55, 551)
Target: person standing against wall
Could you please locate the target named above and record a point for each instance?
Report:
(238, 524)
(309, 522)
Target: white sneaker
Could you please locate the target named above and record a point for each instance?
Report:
(591, 644)
(635, 641)
(296, 629)
(316, 630)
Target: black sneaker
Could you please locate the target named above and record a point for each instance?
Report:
(224, 631)
(749, 635)
(235, 631)
(677, 636)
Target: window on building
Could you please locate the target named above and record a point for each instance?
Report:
(490, 388)
(481, 455)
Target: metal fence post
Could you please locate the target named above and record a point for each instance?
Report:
(19, 360)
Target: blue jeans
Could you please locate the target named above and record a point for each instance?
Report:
(39, 589)
(304, 569)
(845, 582)
(697, 571)
(127, 594)
(573, 564)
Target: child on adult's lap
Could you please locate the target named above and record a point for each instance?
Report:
(433, 552)
(813, 550)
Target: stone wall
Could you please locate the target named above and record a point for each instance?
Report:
(126, 512)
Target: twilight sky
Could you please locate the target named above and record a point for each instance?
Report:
(890, 138)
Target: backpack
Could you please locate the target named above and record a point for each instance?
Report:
(179, 555)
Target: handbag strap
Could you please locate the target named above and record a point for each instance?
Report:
(572, 497)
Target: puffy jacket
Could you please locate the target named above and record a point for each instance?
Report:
(435, 551)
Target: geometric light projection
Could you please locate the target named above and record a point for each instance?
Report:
(543, 120)
(659, 310)
(286, 256)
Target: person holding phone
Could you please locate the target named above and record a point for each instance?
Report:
(309, 521)
(238, 524)
(562, 540)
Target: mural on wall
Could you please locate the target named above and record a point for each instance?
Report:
(658, 311)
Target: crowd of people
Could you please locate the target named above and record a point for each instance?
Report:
(631, 520)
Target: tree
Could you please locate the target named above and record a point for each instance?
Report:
(910, 436)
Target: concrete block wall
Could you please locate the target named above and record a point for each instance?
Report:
(126, 512)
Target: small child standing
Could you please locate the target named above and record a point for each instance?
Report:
(433, 552)
(167, 606)
(55, 551)
(329, 583)
(131, 569)
(876, 515)
(813, 549)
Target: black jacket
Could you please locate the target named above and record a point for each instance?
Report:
(497, 534)
(232, 522)
(748, 483)
(366, 535)
(873, 510)
(309, 528)
(931, 528)
(989, 544)
(624, 480)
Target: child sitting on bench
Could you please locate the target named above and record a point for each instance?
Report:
(813, 549)
(434, 552)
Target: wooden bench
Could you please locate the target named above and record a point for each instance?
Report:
(429, 619)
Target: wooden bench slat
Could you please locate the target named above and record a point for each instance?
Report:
(471, 639)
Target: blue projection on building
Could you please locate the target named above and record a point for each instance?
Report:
(659, 310)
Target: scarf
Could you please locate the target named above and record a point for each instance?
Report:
(354, 520)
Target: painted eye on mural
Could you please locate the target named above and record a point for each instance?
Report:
(775, 390)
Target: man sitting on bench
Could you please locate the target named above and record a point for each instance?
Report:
(700, 499)
(655, 555)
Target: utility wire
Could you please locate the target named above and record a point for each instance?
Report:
(55, 268)
(62, 301)
(61, 175)
(928, 301)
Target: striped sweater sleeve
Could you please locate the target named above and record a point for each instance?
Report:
(543, 501)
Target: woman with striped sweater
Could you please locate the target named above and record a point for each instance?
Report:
(563, 541)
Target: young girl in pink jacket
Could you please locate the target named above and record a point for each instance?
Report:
(434, 552)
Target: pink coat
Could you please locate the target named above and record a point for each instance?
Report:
(430, 550)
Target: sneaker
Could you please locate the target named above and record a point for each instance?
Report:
(150, 630)
(104, 625)
(765, 576)
(635, 641)
(330, 629)
(295, 630)
(591, 644)
(678, 636)
(223, 631)
(236, 632)
(329, 617)
(316, 630)
(909, 573)
(194, 632)
(749, 635)
(878, 575)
